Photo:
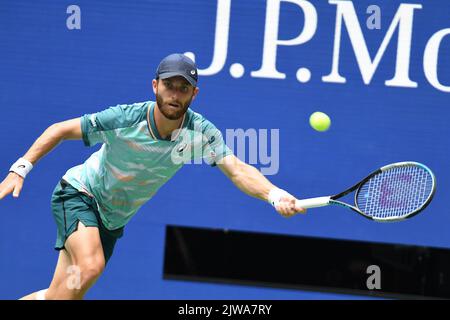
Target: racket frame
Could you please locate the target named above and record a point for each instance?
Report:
(332, 200)
(388, 167)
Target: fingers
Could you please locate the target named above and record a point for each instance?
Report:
(5, 190)
(12, 183)
(2, 193)
(287, 207)
(299, 209)
(17, 189)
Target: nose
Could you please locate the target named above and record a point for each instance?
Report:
(174, 94)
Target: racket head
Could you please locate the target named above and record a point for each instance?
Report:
(395, 192)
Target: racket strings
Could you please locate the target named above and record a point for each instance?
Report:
(395, 193)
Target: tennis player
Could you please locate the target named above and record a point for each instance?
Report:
(142, 144)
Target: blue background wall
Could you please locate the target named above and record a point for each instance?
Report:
(49, 73)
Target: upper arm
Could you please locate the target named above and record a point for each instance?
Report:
(214, 147)
(230, 165)
(100, 126)
(70, 129)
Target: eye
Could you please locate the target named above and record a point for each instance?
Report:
(184, 89)
(167, 84)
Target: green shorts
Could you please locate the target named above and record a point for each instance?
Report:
(70, 206)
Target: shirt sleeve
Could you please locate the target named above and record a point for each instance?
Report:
(96, 127)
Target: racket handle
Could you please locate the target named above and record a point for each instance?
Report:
(313, 202)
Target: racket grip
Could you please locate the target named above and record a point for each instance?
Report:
(313, 202)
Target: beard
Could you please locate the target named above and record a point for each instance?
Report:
(172, 112)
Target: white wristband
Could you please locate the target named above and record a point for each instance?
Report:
(22, 167)
(275, 195)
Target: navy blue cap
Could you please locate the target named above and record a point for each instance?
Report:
(178, 64)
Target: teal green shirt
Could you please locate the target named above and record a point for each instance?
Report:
(134, 161)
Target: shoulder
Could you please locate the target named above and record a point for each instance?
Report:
(197, 121)
(120, 116)
(132, 112)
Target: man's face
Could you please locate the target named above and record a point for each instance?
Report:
(173, 96)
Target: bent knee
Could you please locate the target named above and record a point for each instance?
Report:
(91, 268)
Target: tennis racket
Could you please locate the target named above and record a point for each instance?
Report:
(392, 193)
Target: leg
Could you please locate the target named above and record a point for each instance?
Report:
(85, 250)
(79, 266)
(82, 260)
(59, 277)
(32, 296)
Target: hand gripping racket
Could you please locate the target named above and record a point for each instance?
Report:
(392, 193)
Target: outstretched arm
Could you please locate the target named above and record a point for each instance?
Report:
(249, 180)
(52, 136)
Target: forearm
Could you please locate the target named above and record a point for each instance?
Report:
(252, 182)
(249, 180)
(49, 139)
(45, 143)
(52, 136)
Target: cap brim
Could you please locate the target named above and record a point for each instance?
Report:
(174, 74)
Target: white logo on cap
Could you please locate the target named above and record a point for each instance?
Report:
(192, 71)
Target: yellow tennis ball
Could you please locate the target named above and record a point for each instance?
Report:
(320, 121)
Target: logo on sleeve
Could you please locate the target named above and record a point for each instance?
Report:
(92, 120)
(181, 148)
